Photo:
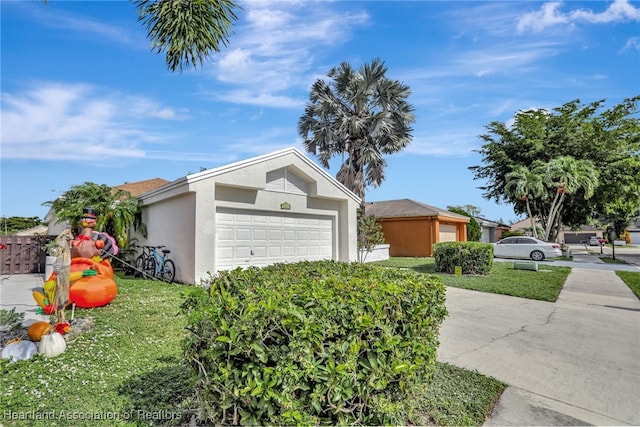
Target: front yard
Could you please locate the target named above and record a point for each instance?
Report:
(129, 371)
(632, 279)
(544, 284)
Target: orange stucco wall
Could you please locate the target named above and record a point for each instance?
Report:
(414, 237)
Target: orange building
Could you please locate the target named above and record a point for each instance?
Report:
(411, 228)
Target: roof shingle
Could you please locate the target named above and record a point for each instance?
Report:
(407, 208)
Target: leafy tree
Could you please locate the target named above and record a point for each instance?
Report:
(360, 115)
(369, 234)
(474, 232)
(471, 209)
(188, 31)
(116, 209)
(605, 141)
(13, 224)
(527, 184)
(568, 176)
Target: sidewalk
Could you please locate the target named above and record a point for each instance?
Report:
(572, 362)
(15, 291)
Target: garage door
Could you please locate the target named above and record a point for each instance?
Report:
(258, 238)
(577, 237)
(448, 233)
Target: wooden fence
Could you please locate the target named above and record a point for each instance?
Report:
(23, 254)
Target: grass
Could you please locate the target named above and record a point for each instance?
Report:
(459, 397)
(632, 279)
(129, 371)
(543, 285)
(610, 260)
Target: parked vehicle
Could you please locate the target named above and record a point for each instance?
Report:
(596, 241)
(526, 247)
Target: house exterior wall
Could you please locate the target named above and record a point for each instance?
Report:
(171, 222)
(409, 237)
(189, 205)
(415, 236)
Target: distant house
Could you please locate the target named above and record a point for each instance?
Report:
(38, 230)
(136, 189)
(634, 231)
(140, 187)
(565, 235)
(412, 228)
(491, 230)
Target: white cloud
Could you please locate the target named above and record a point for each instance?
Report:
(78, 121)
(51, 16)
(551, 15)
(632, 44)
(275, 48)
(445, 141)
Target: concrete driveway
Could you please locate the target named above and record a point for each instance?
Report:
(572, 362)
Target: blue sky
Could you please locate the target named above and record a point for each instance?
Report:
(84, 99)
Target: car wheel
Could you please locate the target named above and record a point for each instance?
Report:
(537, 256)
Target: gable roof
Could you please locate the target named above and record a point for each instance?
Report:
(182, 184)
(140, 187)
(407, 208)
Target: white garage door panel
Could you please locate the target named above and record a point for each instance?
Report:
(245, 238)
(448, 233)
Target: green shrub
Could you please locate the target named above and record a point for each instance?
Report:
(474, 232)
(511, 233)
(313, 343)
(473, 257)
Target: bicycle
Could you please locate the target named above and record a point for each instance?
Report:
(160, 266)
(142, 261)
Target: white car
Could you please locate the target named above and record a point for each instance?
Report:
(526, 247)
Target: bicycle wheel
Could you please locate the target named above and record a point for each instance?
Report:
(139, 266)
(149, 268)
(168, 272)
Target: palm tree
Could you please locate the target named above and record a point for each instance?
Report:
(188, 30)
(362, 115)
(568, 175)
(115, 209)
(525, 184)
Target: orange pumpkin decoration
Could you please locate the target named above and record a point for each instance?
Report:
(37, 330)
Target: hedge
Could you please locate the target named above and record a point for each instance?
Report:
(313, 343)
(472, 257)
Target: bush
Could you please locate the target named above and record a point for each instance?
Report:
(511, 233)
(313, 343)
(473, 257)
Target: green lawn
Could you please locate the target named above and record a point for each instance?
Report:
(129, 371)
(632, 279)
(611, 260)
(544, 284)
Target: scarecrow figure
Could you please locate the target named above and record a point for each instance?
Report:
(62, 253)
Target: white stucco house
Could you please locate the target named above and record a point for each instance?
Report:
(278, 207)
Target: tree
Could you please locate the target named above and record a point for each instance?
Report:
(188, 31)
(471, 209)
(13, 224)
(116, 209)
(527, 184)
(568, 175)
(362, 115)
(609, 140)
(474, 232)
(369, 234)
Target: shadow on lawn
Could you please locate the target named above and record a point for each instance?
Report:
(158, 397)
